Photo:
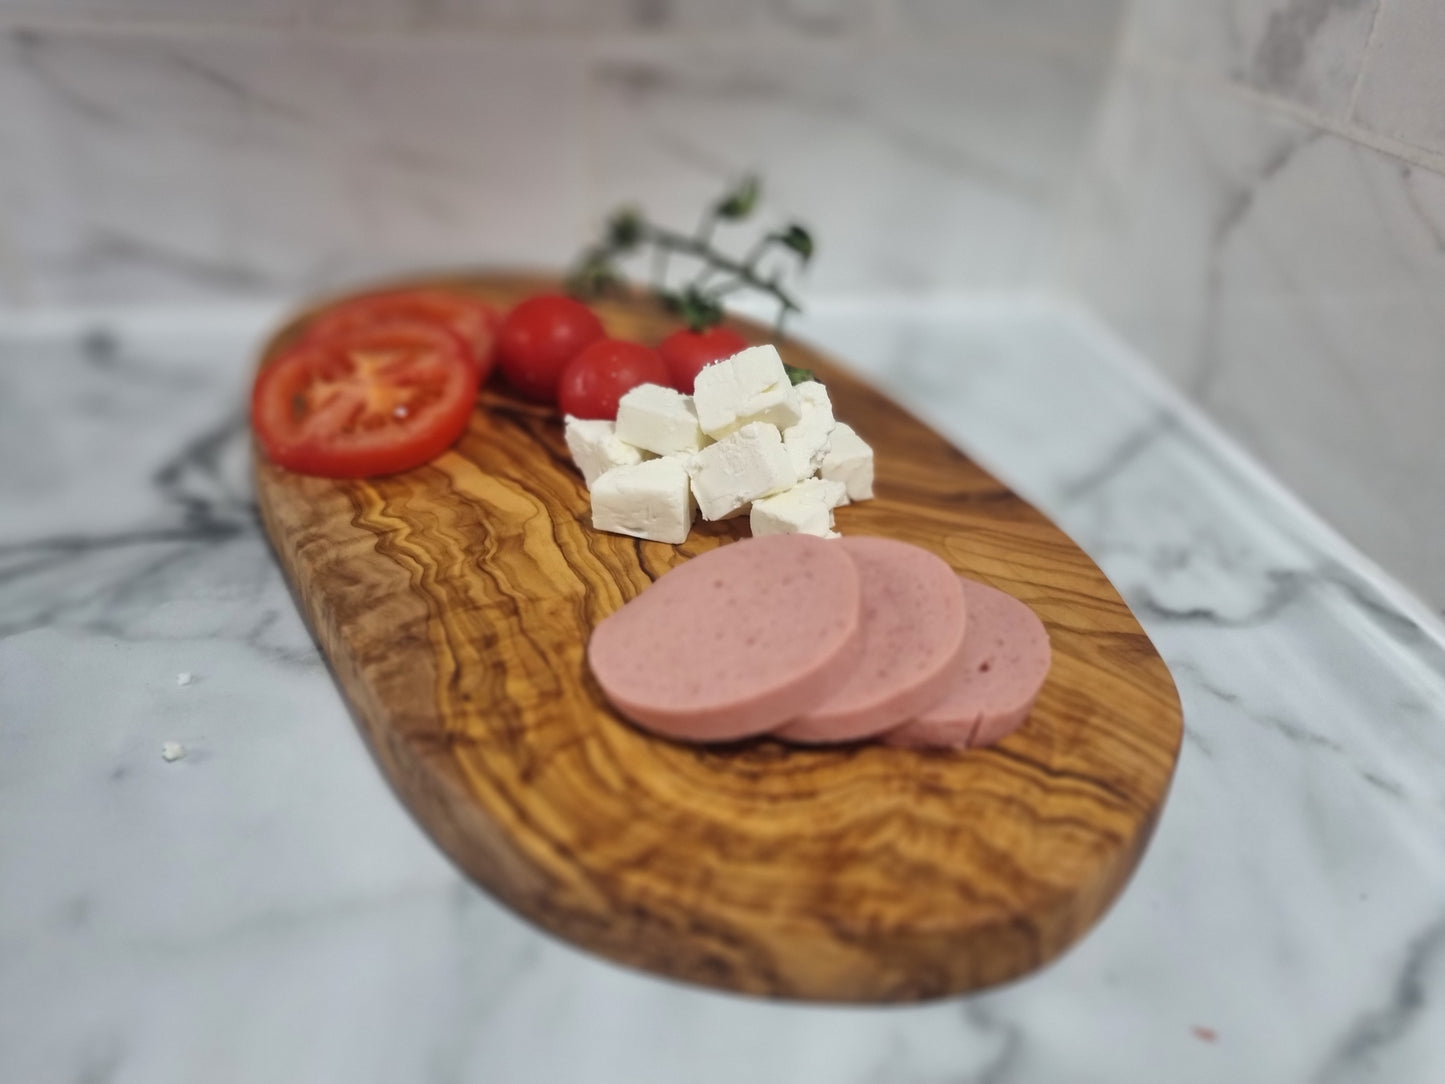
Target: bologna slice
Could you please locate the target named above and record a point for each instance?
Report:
(736, 641)
(913, 630)
(1005, 659)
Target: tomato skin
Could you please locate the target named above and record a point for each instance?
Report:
(471, 319)
(388, 399)
(687, 352)
(603, 373)
(537, 340)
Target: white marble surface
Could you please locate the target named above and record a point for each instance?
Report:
(1306, 52)
(165, 166)
(1402, 87)
(1290, 279)
(547, 16)
(263, 909)
(156, 155)
(1060, 22)
(919, 168)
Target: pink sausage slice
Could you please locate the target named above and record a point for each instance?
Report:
(736, 641)
(913, 626)
(1006, 657)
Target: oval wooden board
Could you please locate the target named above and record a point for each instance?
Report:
(454, 604)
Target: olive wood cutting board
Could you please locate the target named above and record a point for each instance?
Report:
(454, 603)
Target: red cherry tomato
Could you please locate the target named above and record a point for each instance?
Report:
(539, 337)
(472, 320)
(389, 398)
(686, 352)
(603, 373)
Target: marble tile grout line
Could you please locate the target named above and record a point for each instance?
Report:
(1364, 61)
(1409, 153)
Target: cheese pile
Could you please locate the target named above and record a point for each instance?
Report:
(746, 440)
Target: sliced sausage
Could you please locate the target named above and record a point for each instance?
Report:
(736, 641)
(913, 628)
(1006, 657)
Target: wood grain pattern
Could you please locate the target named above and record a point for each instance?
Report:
(454, 604)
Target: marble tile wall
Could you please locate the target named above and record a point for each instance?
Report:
(1263, 216)
(1253, 191)
(159, 150)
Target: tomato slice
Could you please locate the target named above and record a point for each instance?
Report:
(387, 399)
(470, 319)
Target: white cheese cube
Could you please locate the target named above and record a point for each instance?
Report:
(659, 420)
(740, 468)
(806, 508)
(850, 461)
(807, 441)
(596, 449)
(750, 386)
(649, 500)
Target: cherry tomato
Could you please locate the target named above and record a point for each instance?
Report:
(686, 352)
(387, 399)
(539, 337)
(472, 320)
(603, 373)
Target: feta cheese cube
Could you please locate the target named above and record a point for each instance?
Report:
(596, 448)
(659, 420)
(647, 500)
(743, 466)
(850, 461)
(807, 441)
(750, 386)
(806, 508)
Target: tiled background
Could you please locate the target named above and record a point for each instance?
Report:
(1251, 191)
(1264, 217)
(158, 149)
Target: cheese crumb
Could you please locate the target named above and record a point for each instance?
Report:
(806, 508)
(738, 469)
(650, 500)
(172, 751)
(185, 678)
(751, 386)
(850, 461)
(596, 449)
(660, 420)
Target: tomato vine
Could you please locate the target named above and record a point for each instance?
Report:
(698, 300)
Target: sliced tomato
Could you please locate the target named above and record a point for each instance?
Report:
(387, 399)
(470, 319)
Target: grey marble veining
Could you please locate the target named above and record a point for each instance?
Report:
(155, 155)
(920, 168)
(263, 909)
(1289, 279)
(158, 167)
(1306, 52)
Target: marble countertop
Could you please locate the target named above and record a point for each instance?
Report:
(263, 909)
